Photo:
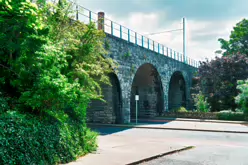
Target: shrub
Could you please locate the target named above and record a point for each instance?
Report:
(46, 60)
(201, 103)
(25, 139)
(180, 109)
(242, 98)
(3, 104)
(47, 65)
(218, 80)
(233, 116)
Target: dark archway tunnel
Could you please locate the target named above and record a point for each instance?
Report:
(147, 84)
(109, 111)
(177, 91)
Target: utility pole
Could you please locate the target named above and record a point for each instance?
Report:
(184, 40)
(184, 37)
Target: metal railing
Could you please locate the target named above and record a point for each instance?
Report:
(85, 15)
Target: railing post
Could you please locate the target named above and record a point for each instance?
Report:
(171, 53)
(112, 28)
(148, 43)
(153, 46)
(120, 31)
(158, 47)
(101, 21)
(136, 40)
(77, 12)
(142, 41)
(128, 34)
(174, 54)
(178, 57)
(90, 15)
(167, 51)
(163, 49)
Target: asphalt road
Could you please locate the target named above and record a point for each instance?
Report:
(210, 148)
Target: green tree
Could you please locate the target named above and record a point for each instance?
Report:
(238, 40)
(201, 103)
(217, 79)
(50, 67)
(48, 61)
(242, 98)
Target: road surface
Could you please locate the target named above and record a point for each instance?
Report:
(210, 148)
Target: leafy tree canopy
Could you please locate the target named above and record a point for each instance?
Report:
(48, 61)
(238, 40)
(218, 80)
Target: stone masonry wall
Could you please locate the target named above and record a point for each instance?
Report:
(130, 57)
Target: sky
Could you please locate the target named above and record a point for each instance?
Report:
(206, 21)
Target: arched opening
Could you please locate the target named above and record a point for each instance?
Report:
(109, 111)
(147, 84)
(177, 91)
(116, 98)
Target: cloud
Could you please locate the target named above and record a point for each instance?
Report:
(206, 20)
(202, 36)
(175, 9)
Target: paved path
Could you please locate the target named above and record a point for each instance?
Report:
(119, 146)
(116, 149)
(191, 125)
(197, 120)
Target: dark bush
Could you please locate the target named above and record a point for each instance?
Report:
(217, 79)
(26, 139)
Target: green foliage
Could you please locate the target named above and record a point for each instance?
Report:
(180, 109)
(201, 103)
(232, 116)
(242, 98)
(3, 104)
(107, 45)
(49, 66)
(25, 139)
(48, 61)
(128, 54)
(217, 80)
(237, 43)
(132, 69)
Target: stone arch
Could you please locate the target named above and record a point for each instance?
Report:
(177, 93)
(111, 110)
(148, 85)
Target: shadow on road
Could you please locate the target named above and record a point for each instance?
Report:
(104, 130)
(107, 130)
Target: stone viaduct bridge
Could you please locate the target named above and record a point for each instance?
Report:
(160, 76)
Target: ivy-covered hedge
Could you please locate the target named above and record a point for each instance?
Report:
(26, 139)
(233, 116)
(223, 115)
